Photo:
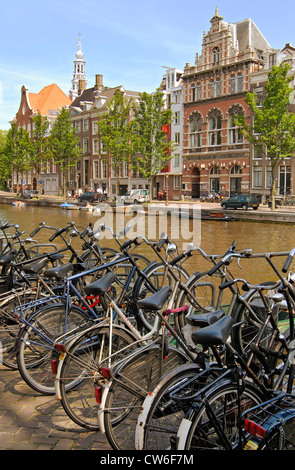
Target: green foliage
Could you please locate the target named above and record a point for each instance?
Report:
(273, 124)
(14, 154)
(38, 146)
(116, 131)
(152, 121)
(64, 145)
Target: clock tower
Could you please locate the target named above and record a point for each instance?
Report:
(215, 21)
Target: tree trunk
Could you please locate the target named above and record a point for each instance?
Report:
(273, 190)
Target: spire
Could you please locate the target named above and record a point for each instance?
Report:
(79, 80)
(216, 17)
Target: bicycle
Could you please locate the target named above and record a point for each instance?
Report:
(153, 424)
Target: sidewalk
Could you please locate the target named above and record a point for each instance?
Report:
(30, 421)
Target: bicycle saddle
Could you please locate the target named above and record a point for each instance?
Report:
(155, 301)
(100, 286)
(214, 335)
(59, 272)
(205, 319)
(35, 267)
(7, 257)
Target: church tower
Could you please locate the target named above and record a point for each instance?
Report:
(79, 80)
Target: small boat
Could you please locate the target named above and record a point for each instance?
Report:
(19, 204)
(67, 205)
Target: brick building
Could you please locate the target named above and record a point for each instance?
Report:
(48, 103)
(215, 156)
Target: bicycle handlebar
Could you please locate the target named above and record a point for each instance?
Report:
(288, 261)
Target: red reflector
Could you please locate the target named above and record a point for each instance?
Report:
(98, 394)
(54, 366)
(254, 429)
(105, 372)
(60, 347)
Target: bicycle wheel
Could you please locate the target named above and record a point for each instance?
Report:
(130, 385)
(198, 431)
(207, 297)
(10, 326)
(249, 320)
(80, 369)
(158, 277)
(160, 416)
(35, 344)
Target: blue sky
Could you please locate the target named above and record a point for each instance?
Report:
(128, 42)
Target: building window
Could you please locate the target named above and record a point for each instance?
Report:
(193, 93)
(95, 127)
(195, 128)
(215, 123)
(95, 146)
(257, 177)
(96, 169)
(198, 91)
(216, 55)
(86, 145)
(78, 126)
(232, 84)
(235, 135)
(240, 82)
(212, 89)
(268, 179)
(259, 96)
(86, 124)
(104, 169)
(177, 138)
(257, 151)
(284, 180)
(215, 179)
(176, 182)
(218, 87)
(176, 161)
(177, 117)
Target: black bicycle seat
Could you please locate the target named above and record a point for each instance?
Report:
(205, 319)
(100, 286)
(58, 272)
(214, 335)
(7, 257)
(35, 267)
(155, 301)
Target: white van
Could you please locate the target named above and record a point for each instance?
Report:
(136, 196)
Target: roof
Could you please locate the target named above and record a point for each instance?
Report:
(50, 98)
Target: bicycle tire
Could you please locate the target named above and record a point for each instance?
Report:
(249, 321)
(81, 365)
(34, 352)
(131, 382)
(159, 417)
(197, 432)
(10, 326)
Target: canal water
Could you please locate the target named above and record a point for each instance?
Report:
(214, 237)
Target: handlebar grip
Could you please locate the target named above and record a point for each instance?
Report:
(126, 244)
(57, 233)
(215, 268)
(161, 242)
(287, 263)
(177, 259)
(33, 233)
(226, 284)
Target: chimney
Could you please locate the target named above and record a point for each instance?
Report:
(81, 87)
(98, 82)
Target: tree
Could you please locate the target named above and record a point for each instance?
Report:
(38, 147)
(273, 126)
(5, 170)
(64, 145)
(115, 130)
(152, 122)
(15, 152)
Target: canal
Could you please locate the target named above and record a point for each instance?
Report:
(214, 237)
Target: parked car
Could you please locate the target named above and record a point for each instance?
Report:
(89, 196)
(29, 194)
(136, 196)
(240, 201)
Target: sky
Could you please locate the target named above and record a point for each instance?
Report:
(129, 42)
